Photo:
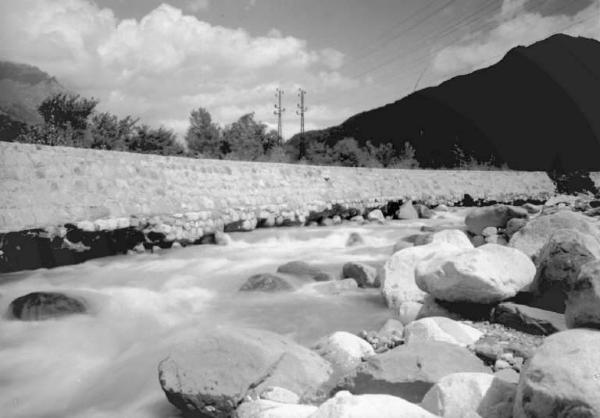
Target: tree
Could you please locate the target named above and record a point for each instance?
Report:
(111, 133)
(63, 110)
(245, 139)
(347, 153)
(203, 136)
(160, 141)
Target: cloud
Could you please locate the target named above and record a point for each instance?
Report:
(516, 24)
(195, 6)
(165, 64)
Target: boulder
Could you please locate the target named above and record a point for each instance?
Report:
(527, 319)
(457, 394)
(489, 231)
(266, 282)
(38, 306)
(514, 225)
(407, 211)
(531, 208)
(487, 274)
(497, 216)
(559, 262)
(442, 208)
(508, 375)
(533, 236)
(583, 298)
(212, 371)
(337, 220)
(410, 311)
(392, 327)
(298, 268)
(346, 405)
(269, 409)
(562, 379)
(376, 216)
(365, 275)
(323, 277)
(441, 329)
(343, 350)
(424, 212)
(409, 370)
(454, 237)
(355, 239)
(281, 395)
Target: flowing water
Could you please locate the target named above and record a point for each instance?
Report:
(104, 364)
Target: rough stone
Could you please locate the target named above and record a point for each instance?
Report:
(38, 306)
(583, 298)
(407, 211)
(514, 225)
(299, 268)
(343, 350)
(376, 216)
(487, 274)
(562, 379)
(365, 275)
(527, 319)
(266, 282)
(441, 329)
(354, 239)
(278, 394)
(492, 216)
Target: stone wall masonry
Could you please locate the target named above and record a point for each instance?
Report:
(61, 205)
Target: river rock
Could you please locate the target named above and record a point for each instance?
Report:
(531, 208)
(262, 408)
(527, 319)
(441, 329)
(266, 282)
(391, 328)
(514, 225)
(281, 395)
(487, 274)
(407, 211)
(409, 370)
(497, 216)
(355, 239)
(410, 311)
(299, 268)
(38, 306)
(365, 275)
(212, 371)
(583, 298)
(457, 394)
(400, 245)
(424, 212)
(346, 405)
(533, 236)
(559, 263)
(562, 379)
(376, 216)
(343, 350)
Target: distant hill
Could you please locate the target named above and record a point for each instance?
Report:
(536, 109)
(22, 88)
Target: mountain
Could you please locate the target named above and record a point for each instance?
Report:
(22, 89)
(536, 109)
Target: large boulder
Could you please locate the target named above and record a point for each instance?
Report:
(533, 236)
(583, 298)
(455, 395)
(409, 370)
(365, 275)
(213, 371)
(398, 276)
(376, 216)
(410, 311)
(39, 306)
(487, 274)
(268, 409)
(528, 319)
(344, 351)
(497, 216)
(346, 405)
(266, 282)
(562, 379)
(407, 211)
(441, 329)
(558, 264)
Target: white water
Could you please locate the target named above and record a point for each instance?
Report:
(104, 364)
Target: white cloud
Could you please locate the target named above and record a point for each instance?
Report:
(515, 26)
(195, 6)
(165, 64)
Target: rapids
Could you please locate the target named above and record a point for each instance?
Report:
(104, 364)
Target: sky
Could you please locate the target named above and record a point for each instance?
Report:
(158, 60)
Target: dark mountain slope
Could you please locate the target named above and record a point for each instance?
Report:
(537, 109)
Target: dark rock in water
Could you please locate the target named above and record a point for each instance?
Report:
(211, 372)
(323, 277)
(514, 225)
(266, 283)
(354, 239)
(424, 212)
(365, 275)
(410, 370)
(527, 319)
(299, 268)
(401, 245)
(38, 306)
(497, 216)
(583, 301)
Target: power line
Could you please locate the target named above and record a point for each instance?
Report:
(279, 110)
(302, 109)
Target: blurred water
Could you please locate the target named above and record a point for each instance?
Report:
(104, 364)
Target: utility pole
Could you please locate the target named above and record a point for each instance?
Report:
(279, 112)
(301, 109)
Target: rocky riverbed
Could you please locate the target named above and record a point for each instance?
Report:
(489, 312)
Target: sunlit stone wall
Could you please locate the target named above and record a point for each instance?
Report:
(43, 186)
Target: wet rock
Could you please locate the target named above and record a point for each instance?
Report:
(346, 405)
(400, 245)
(221, 238)
(488, 274)
(299, 268)
(344, 351)
(365, 275)
(478, 240)
(508, 375)
(514, 225)
(489, 231)
(278, 394)
(355, 239)
(562, 377)
(533, 236)
(531, 208)
(410, 370)
(262, 408)
(457, 394)
(337, 220)
(358, 219)
(583, 301)
(323, 277)
(527, 319)
(559, 263)
(424, 212)
(442, 208)
(266, 282)
(407, 211)
(496, 216)
(212, 371)
(326, 222)
(376, 216)
(441, 329)
(38, 306)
